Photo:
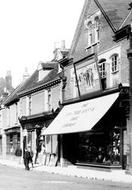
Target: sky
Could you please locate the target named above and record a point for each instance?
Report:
(29, 29)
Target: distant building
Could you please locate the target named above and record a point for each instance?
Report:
(6, 86)
(26, 74)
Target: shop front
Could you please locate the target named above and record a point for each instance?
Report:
(93, 132)
(33, 127)
(12, 141)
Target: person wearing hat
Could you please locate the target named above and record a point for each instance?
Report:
(26, 158)
(28, 154)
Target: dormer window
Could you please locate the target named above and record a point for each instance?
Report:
(44, 69)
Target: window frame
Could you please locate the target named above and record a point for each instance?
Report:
(114, 63)
(102, 68)
(92, 26)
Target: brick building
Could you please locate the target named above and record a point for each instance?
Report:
(40, 101)
(30, 108)
(94, 122)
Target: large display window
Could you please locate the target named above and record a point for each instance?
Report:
(100, 147)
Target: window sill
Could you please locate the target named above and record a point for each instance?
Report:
(92, 45)
(114, 72)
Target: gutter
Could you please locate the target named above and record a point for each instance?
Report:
(35, 89)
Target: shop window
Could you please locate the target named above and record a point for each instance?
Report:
(9, 149)
(99, 147)
(102, 71)
(13, 142)
(114, 63)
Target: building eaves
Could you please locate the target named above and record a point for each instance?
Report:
(122, 33)
(34, 85)
(38, 117)
(39, 87)
(13, 97)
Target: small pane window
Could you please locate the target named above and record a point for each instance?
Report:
(93, 31)
(96, 21)
(114, 63)
(102, 69)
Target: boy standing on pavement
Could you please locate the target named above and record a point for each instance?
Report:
(28, 158)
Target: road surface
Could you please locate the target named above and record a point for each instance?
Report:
(20, 179)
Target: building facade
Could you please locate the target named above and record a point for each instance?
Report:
(96, 102)
(40, 102)
(28, 111)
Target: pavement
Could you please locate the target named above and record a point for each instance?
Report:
(115, 175)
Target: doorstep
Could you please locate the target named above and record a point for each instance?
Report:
(99, 167)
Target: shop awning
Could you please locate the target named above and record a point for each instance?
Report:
(82, 116)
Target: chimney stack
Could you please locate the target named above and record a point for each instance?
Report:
(26, 74)
(62, 44)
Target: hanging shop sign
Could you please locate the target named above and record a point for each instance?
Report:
(88, 78)
(82, 79)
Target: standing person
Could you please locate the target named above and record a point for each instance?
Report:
(26, 158)
(31, 157)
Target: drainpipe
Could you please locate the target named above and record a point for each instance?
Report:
(129, 125)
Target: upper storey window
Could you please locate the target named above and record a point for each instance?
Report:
(102, 71)
(115, 63)
(44, 69)
(92, 26)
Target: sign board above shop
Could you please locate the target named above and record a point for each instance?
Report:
(87, 76)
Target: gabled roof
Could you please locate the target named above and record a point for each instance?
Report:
(117, 12)
(13, 96)
(60, 53)
(32, 84)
